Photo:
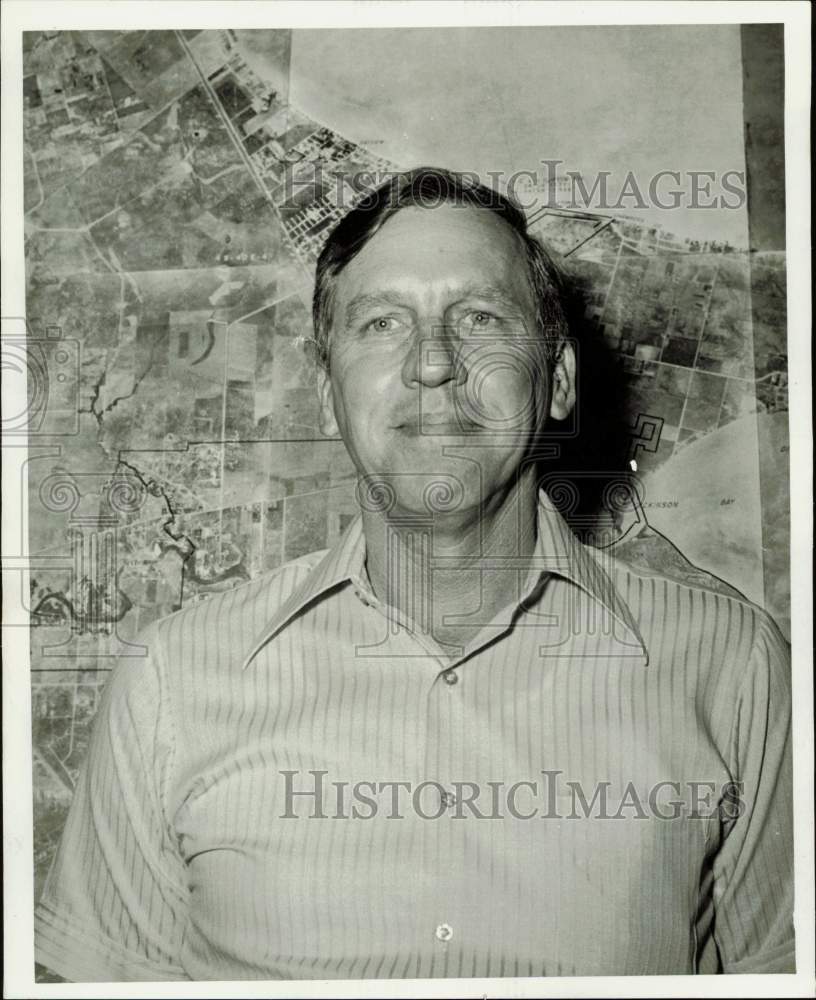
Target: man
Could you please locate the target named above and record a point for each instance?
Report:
(459, 743)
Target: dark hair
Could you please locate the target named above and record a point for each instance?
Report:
(430, 187)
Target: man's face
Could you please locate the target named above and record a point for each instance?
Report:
(437, 367)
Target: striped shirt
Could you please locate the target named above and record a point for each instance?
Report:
(295, 782)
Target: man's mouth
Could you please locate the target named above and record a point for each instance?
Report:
(435, 424)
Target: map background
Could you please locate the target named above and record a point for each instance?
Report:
(219, 469)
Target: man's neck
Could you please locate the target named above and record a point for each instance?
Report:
(434, 568)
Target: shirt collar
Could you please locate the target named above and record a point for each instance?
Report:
(344, 561)
(558, 552)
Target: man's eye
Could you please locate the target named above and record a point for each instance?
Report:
(479, 319)
(384, 324)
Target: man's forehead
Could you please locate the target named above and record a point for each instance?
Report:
(458, 247)
(448, 221)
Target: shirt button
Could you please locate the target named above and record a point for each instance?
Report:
(450, 677)
(363, 599)
(444, 932)
(448, 799)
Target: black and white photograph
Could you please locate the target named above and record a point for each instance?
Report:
(407, 479)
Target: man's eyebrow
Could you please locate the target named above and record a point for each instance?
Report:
(497, 294)
(371, 300)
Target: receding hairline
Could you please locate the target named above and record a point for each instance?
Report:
(490, 289)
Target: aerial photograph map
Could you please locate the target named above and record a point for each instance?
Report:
(172, 224)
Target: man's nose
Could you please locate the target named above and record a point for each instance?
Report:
(435, 357)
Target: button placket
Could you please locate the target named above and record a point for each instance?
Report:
(445, 764)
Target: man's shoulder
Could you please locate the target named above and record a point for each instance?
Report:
(651, 554)
(231, 619)
(651, 561)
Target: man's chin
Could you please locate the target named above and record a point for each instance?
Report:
(452, 491)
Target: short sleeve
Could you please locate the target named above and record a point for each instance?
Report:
(114, 904)
(753, 871)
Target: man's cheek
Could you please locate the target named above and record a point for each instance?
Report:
(504, 398)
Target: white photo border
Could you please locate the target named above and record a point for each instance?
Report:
(27, 15)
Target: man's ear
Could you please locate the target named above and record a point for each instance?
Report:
(564, 381)
(325, 395)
